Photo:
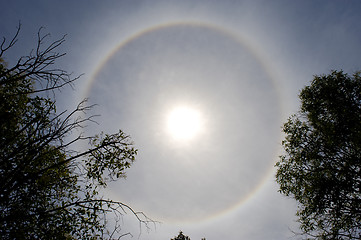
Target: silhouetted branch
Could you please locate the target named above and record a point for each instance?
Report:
(37, 65)
(44, 178)
(3, 47)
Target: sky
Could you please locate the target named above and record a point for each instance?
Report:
(232, 69)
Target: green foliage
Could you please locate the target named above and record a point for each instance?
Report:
(321, 167)
(49, 190)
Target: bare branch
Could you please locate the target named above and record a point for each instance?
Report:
(3, 47)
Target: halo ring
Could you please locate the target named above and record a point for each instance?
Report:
(266, 67)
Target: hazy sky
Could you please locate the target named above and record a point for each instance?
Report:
(237, 65)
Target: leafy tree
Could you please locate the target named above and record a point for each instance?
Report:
(321, 167)
(49, 189)
(181, 236)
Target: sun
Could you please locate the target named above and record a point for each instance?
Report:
(184, 123)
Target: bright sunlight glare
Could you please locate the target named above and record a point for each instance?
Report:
(184, 123)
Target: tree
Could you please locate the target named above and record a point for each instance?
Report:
(181, 236)
(321, 167)
(50, 189)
